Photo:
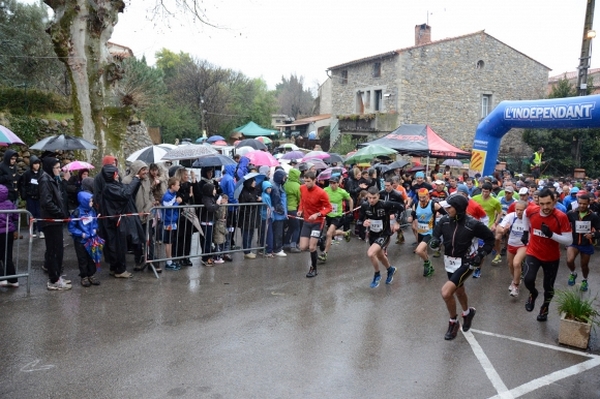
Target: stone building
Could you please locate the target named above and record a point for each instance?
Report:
(449, 84)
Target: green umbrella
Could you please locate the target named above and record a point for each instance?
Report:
(366, 154)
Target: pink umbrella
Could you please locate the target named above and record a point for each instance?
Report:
(219, 142)
(315, 155)
(77, 165)
(326, 174)
(260, 158)
(7, 137)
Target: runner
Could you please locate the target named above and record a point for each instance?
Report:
(390, 193)
(548, 228)
(375, 215)
(458, 231)
(423, 220)
(493, 209)
(336, 196)
(513, 224)
(586, 227)
(314, 205)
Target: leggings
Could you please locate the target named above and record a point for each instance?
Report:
(550, 269)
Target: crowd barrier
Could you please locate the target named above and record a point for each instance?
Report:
(13, 250)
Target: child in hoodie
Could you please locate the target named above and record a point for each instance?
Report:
(266, 215)
(8, 233)
(82, 229)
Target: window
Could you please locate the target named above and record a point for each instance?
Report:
(486, 103)
(377, 69)
(344, 77)
(378, 100)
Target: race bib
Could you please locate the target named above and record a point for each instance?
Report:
(519, 228)
(334, 208)
(538, 232)
(423, 228)
(451, 263)
(376, 226)
(86, 220)
(315, 233)
(583, 227)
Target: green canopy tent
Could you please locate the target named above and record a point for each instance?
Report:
(251, 129)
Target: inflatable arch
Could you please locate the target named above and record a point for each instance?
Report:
(556, 113)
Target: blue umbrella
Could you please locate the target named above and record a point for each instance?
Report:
(259, 178)
(214, 138)
(200, 139)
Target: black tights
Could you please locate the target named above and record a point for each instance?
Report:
(550, 270)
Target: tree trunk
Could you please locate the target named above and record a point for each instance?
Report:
(80, 32)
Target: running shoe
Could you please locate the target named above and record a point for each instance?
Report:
(5, 283)
(173, 267)
(572, 278)
(584, 285)
(347, 236)
(390, 275)
(427, 268)
(468, 319)
(530, 304)
(511, 286)
(503, 251)
(514, 292)
(376, 280)
(497, 260)
(323, 257)
(219, 261)
(453, 327)
(477, 272)
(543, 316)
(436, 254)
(312, 272)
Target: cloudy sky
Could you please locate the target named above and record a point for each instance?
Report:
(274, 38)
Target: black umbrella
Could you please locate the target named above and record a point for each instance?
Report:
(63, 142)
(257, 145)
(398, 164)
(333, 158)
(210, 161)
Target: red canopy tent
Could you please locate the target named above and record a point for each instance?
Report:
(419, 140)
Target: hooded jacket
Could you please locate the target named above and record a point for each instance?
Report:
(292, 190)
(279, 196)
(9, 176)
(210, 204)
(8, 221)
(28, 183)
(248, 213)
(228, 184)
(53, 197)
(88, 224)
(242, 168)
(266, 199)
(144, 200)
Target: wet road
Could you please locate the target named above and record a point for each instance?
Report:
(260, 329)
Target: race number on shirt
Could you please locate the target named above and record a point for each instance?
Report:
(451, 263)
(423, 228)
(583, 227)
(334, 208)
(376, 226)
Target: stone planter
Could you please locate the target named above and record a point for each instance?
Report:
(574, 333)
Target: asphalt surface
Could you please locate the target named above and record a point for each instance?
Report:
(261, 329)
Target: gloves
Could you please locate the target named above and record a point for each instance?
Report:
(525, 238)
(478, 258)
(546, 230)
(434, 244)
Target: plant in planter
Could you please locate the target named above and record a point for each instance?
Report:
(578, 315)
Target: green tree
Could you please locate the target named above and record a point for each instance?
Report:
(141, 85)
(292, 98)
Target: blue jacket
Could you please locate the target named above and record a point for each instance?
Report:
(266, 199)
(228, 184)
(279, 196)
(170, 216)
(88, 226)
(242, 168)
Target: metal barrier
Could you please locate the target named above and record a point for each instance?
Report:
(9, 257)
(199, 233)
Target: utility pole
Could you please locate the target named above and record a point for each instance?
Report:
(585, 62)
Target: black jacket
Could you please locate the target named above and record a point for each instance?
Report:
(9, 176)
(29, 181)
(53, 198)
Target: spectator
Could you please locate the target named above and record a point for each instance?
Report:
(279, 202)
(220, 228)
(248, 217)
(266, 215)
(170, 216)
(9, 176)
(8, 233)
(207, 219)
(73, 186)
(83, 227)
(292, 191)
(29, 188)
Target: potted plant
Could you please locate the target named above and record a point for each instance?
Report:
(577, 317)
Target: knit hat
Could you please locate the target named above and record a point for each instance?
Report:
(108, 160)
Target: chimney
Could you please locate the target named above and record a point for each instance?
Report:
(422, 34)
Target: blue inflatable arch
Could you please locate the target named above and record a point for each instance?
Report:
(556, 113)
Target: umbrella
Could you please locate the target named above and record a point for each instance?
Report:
(452, 162)
(94, 246)
(293, 155)
(243, 150)
(348, 155)
(316, 155)
(190, 151)
(260, 158)
(381, 167)
(77, 165)
(257, 145)
(7, 137)
(398, 164)
(317, 163)
(240, 184)
(333, 157)
(151, 154)
(209, 161)
(289, 146)
(63, 142)
(327, 173)
(416, 169)
(214, 138)
(219, 142)
(200, 140)
(367, 153)
(264, 140)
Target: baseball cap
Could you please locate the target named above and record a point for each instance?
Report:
(509, 189)
(461, 188)
(523, 191)
(334, 179)
(439, 182)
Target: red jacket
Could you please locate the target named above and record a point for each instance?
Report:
(313, 201)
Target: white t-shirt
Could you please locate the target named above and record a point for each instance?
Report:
(517, 227)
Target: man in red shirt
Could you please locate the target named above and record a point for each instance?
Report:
(546, 229)
(314, 206)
